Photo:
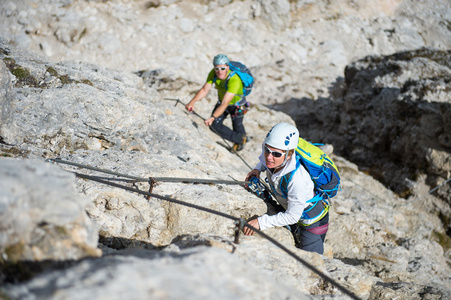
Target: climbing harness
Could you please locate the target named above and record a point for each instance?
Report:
(240, 110)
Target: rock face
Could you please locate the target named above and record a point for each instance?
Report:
(106, 97)
(402, 102)
(392, 118)
(157, 275)
(377, 241)
(42, 215)
(294, 48)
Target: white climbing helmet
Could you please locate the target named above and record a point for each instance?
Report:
(283, 136)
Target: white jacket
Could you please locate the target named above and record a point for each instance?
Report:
(300, 190)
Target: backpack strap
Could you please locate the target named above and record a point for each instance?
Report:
(285, 180)
(317, 207)
(226, 82)
(316, 210)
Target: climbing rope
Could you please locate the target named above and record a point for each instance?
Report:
(240, 223)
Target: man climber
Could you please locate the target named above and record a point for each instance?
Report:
(230, 102)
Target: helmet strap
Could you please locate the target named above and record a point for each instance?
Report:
(277, 169)
(285, 159)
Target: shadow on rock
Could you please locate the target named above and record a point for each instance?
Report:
(391, 115)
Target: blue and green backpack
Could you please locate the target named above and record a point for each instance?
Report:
(245, 75)
(323, 172)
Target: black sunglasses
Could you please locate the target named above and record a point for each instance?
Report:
(274, 153)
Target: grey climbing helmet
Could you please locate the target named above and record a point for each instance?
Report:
(220, 59)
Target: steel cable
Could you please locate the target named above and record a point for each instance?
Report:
(141, 179)
(212, 129)
(237, 220)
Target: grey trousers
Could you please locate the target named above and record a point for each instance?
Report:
(311, 238)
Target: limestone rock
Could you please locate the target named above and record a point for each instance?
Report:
(194, 273)
(42, 216)
(392, 116)
(110, 94)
